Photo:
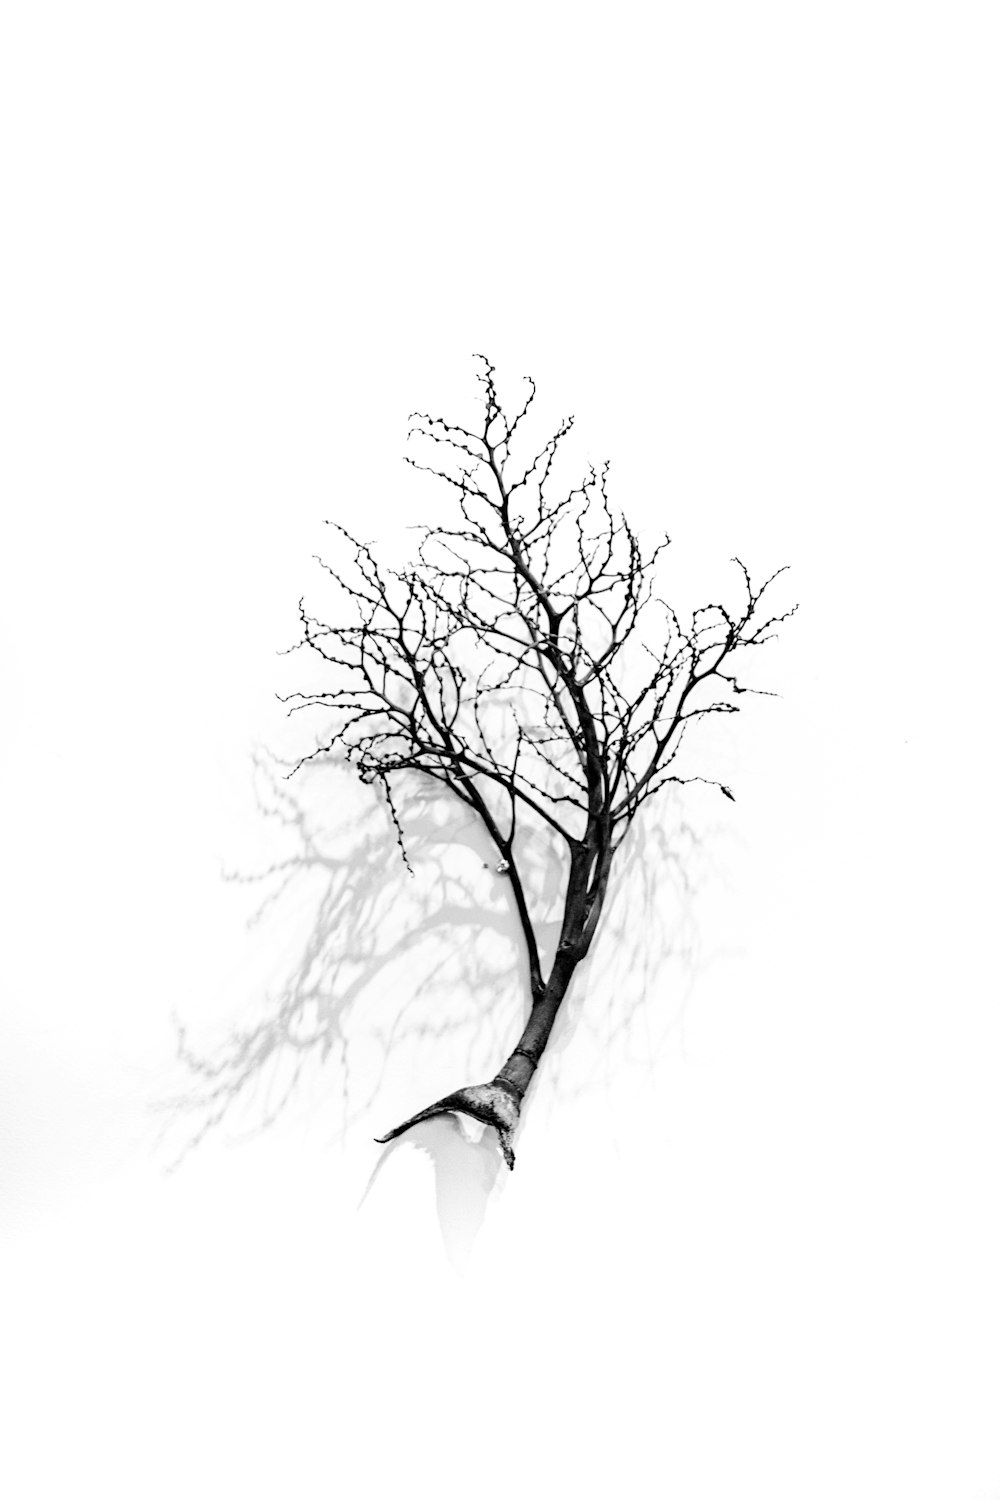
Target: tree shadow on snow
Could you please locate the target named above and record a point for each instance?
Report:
(467, 1166)
(396, 988)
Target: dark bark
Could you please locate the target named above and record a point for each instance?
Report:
(498, 1102)
(552, 591)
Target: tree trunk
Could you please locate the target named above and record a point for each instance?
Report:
(519, 1069)
(498, 1103)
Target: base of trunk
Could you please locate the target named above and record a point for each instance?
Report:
(496, 1104)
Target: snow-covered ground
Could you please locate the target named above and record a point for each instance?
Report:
(751, 1242)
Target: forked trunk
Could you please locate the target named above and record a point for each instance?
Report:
(498, 1103)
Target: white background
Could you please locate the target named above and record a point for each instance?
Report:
(754, 250)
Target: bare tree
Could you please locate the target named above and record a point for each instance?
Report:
(525, 663)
